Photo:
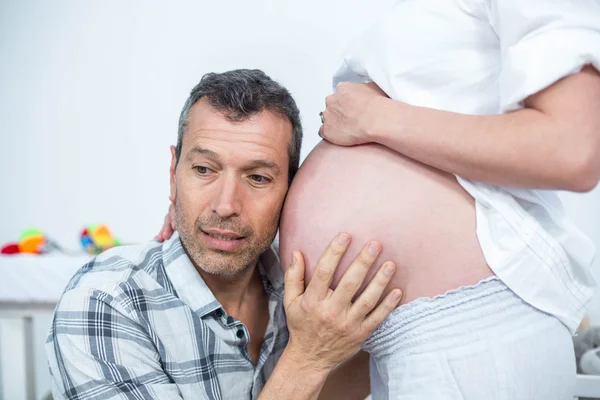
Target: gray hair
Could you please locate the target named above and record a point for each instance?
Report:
(240, 94)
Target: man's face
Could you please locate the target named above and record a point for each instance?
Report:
(229, 187)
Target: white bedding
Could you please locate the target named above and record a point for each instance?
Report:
(37, 278)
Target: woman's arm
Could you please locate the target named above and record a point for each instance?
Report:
(553, 143)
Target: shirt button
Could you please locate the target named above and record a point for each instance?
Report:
(219, 313)
(240, 333)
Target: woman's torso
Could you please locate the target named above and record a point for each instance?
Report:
(423, 218)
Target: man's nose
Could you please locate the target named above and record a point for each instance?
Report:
(227, 203)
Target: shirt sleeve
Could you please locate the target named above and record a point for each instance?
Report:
(541, 42)
(96, 351)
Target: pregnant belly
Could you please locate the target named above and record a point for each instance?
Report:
(422, 217)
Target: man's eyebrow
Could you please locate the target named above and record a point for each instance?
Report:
(203, 152)
(265, 164)
(251, 165)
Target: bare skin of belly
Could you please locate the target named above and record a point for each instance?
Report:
(423, 218)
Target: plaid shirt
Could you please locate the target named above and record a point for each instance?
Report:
(138, 322)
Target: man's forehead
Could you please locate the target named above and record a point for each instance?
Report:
(205, 117)
(267, 130)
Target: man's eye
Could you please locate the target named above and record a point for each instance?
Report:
(259, 179)
(202, 170)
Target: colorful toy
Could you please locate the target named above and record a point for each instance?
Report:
(94, 239)
(32, 241)
(11, 248)
(97, 238)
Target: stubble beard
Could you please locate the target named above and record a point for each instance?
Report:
(227, 264)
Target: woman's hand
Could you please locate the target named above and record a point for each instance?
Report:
(348, 115)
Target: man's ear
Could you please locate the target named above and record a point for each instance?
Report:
(172, 180)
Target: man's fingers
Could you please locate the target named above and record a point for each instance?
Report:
(294, 279)
(382, 311)
(366, 302)
(171, 216)
(355, 274)
(165, 231)
(321, 280)
(169, 223)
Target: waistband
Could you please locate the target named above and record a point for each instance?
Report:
(456, 318)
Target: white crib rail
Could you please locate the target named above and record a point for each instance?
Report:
(588, 386)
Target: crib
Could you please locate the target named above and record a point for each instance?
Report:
(30, 286)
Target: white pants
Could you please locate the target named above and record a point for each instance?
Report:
(475, 343)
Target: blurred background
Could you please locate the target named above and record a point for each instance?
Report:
(90, 94)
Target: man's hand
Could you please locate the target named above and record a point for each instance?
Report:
(325, 326)
(347, 119)
(168, 226)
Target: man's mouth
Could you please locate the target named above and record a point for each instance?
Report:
(222, 235)
(222, 240)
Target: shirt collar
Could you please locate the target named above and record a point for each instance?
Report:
(191, 288)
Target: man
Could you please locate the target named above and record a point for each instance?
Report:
(203, 315)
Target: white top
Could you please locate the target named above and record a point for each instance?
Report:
(486, 57)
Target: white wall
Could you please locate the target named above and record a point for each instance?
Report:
(90, 94)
